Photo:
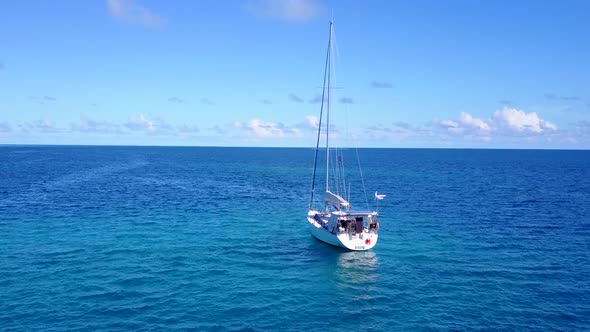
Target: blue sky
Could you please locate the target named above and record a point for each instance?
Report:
(491, 74)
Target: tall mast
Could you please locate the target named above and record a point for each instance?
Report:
(328, 110)
(317, 146)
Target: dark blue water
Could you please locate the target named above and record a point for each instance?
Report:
(152, 238)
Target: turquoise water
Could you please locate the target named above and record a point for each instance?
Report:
(152, 238)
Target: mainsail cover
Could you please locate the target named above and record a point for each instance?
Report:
(335, 199)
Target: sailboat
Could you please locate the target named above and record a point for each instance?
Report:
(336, 222)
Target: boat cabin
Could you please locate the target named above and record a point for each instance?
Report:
(353, 222)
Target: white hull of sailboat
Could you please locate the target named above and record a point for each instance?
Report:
(357, 242)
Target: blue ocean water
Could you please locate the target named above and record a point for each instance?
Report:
(152, 238)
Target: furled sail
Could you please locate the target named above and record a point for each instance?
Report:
(337, 200)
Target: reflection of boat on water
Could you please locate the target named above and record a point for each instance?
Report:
(364, 260)
(337, 223)
(357, 267)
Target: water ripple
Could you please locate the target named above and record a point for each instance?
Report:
(211, 239)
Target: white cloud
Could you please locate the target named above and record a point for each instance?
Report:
(140, 122)
(136, 123)
(449, 124)
(43, 125)
(465, 124)
(505, 122)
(309, 124)
(286, 10)
(97, 126)
(262, 129)
(520, 122)
(467, 120)
(132, 12)
(312, 121)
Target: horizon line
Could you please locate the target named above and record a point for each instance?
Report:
(290, 147)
